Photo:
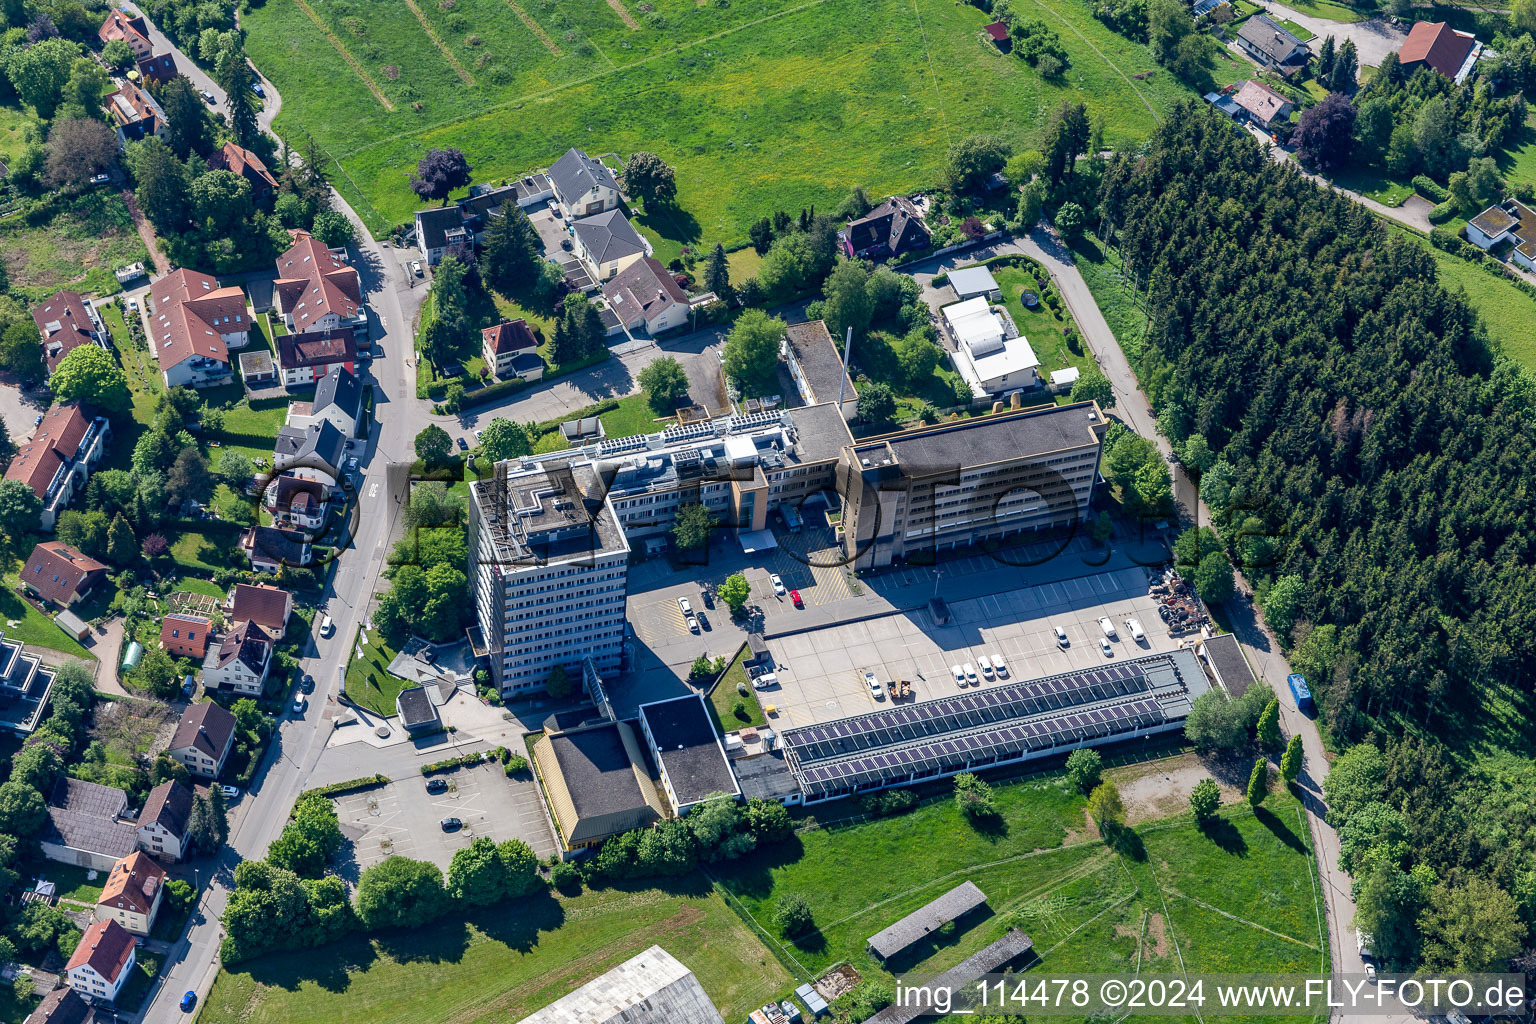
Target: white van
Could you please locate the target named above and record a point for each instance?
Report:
(1134, 628)
(327, 627)
(999, 665)
(985, 664)
(1108, 628)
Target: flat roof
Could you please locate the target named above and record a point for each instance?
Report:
(983, 440)
(820, 362)
(1226, 658)
(652, 988)
(683, 735)
(972, 281)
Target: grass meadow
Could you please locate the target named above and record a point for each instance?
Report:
(772, 105)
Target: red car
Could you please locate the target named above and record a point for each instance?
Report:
(794, 595)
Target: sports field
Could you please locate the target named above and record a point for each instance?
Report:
(759, 105)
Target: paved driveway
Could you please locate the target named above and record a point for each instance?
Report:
(1373, 39)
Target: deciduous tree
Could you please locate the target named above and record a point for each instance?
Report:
(648, 178)
(752, 347)
(1205, 798)
(439, 173)
(89, 374)
(79, 148)
(664, 382)
(399, 892)
(1325, 133)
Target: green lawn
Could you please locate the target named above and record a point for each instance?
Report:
(633, 415)
(368, 680)
(1102, 272)
(204, 550)
(505, 962)
(145, 967)
(1294, 29)
(1518, 163)
(16, 125)
(145, 386)
(1506, 311)
(22, 621)
(87, 238)
(1325, 9)
(723, 697)
(777, 104)
(71, 881)
(1044, 329)
(1375, 185)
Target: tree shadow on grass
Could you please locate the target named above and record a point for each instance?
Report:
(1225, 835)
(1282, 831)
(1125, 842)
(752, 876)
(443, 942)
(517, 923)
(331, 967)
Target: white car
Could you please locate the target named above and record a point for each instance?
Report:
(327, 627)
(999, 666)
(985, 664)
(1061, 638)
(693, 623)
(1109, 652)
(874, 685)
(1108, 628)
(230, 792)
(958, 674)
(970, 674)
(685, 607)
(779, 590)
(299, 704)
(416, 267)
(1133, 627)
(766, 681)
(1370, 971)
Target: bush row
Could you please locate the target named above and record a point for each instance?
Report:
(342, 788)
(1442, 213)
(467, 761)
(1427, 187)
(1451, 242)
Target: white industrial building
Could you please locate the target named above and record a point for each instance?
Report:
(992, 363)
(652, 988)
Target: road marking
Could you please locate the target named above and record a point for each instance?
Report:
(373, 489)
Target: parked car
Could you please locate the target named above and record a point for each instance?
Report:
(451, 824)
(1109, 652)
(970, 674)
(307, 683)
(874, 685)
(416, 267)
(684, 606)
(707, 596)
(352, 464)
(703, 620)
(794, 595)
(207, 96)
(188, 1001)
(1108, 628)
(779, 590)
(101, 179)
(1133, 627)
(959, 675)
(766, 681)
(999, 665)
(985, 664)
(230, 792)
(299, 704)
(437, 785)
(327, 627)
(463, 445)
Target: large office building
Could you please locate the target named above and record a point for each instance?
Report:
(996, 725)
(968, 481)
(549, 562)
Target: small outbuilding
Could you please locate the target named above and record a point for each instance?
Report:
(969, 282)
(926, 920)
(417, 712)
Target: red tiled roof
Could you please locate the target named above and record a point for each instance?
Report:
(130, 30)
(244, 163)
(1260, 100)
(998, 31)
(133, 884)
(185, 636)
(64, 324)
(58, 572)
(192, 313)
(263, 605)
(130, 105)
(509, 336)
(55, 442)
(1437, 45)
(158, 67)
(106, 946)
(311, 282)
(316, 348)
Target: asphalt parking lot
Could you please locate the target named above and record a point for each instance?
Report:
(403, 818)
(819, 671)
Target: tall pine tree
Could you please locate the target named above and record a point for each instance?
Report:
(717, 272)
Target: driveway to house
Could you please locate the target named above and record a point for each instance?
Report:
(1373, 39)
(1413, 213)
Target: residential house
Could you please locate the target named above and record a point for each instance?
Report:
(339, 399)
(102, 962)
(135, 114)
(316, 290)
(416, 711)
(57, 462)
(130, 29)
(646, 298)
(1511, 222)
(816, 367)
(315, 452)
(133, 893)
(1263, 105)
(608, 243)
(162, 824)
(62, 1006)
(1271, 46)
(158, 67)
(60, 574)
(583, 186)
(486, 201)
(66, 323)
(246, 164)
(893, 228)
(440, 228)
(88, 825)
(24, 687)
(511, 350)
(203, 739)
(266, 606)
(1438, 46)
(992, 363)
(185, 636)
(194, 325)
(269, 548)
(240, 663)
(294, 501)
(306, 358)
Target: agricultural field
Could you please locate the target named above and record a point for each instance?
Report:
(78, 247)
(764, 106)
(504, 962)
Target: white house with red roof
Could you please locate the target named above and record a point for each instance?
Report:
(65, 323)
(59, 459)
(193, 326)
(316, 289)
(102, 962)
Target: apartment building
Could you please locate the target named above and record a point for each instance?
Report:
(550, 567)
(967, 481)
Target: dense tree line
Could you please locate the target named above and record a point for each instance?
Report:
(1382, 454)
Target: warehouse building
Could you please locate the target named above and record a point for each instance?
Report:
(996, 725)
(962, 482)
(925, 920)
(652, 988)
(595, 778)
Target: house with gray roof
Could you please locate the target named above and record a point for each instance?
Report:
(438, 229)
(608, 243)
(314, 452)
(583, 186)
(1272, 46)
(88, 825)
(646, 298)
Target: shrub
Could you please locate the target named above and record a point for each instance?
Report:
(890, 802)
(793, 916)
(1442, 213)
(1427, 187)
(466, 761)
(565, 877)
(1449, 241)
(974, 798)
(515, 765)
(1083, 767)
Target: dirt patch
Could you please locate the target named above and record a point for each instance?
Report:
(1158, 789)
(1090, 827)
(1157, 935)
(131, 728)
(835, 982)
(623, 13)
